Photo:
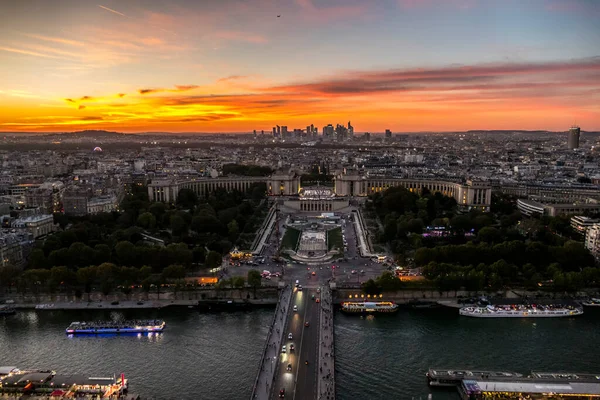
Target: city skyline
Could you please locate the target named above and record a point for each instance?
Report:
(227, 66)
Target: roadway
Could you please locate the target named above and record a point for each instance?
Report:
(301, 382)
(292, 271)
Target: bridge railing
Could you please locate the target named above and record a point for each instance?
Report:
(282, 297)
(326, 372)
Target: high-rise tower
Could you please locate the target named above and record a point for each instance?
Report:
(573, 138)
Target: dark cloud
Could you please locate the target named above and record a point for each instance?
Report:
(399, 80)
(147, 91)
(178, 88)
(81, 108)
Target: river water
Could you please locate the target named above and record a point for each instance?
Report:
(215, 356)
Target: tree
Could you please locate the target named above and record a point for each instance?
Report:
(254, 280)
(489, 234)
(213, 259)
(187, 198)
(86, 276)
(178, 253)
(233, 230)
(461, 223)
(389, 282)
(415, 225)
(371, 287)
(199, 254)
(157, 209)
(36, 278)
(37, 259)
(146, 220)
(144, 273)
(80, 254)
(62, 277)
(207, 224)
(59, 257)
(126, 253)
(178, 225)
(106, 274)
(9, 276)
(173, 272)
(238, 282)
(101, 254)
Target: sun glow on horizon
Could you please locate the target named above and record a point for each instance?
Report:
(191, 67)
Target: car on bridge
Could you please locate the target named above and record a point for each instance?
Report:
(292, 348)
(306, 324)
(283, 349)
(282, 393)
(290, 336)
(289, 367)
(295, 308)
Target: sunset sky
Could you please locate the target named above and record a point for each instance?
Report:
(234, 66)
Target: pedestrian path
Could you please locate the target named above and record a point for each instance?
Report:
(326, 371)
(266, 373)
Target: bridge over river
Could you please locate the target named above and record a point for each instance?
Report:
(303, 323)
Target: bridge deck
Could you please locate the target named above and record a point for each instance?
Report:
(263, 385)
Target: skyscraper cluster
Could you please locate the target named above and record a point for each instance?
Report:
(339, 132)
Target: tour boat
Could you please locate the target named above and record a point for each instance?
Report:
(6, 310)
(521, 311)
(369, 307)
(138, 326)
(593, 302)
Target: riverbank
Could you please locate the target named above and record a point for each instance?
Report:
(155, 304)
(203, 299)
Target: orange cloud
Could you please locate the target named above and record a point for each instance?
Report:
(69, 42)
(27, 52)
(526, 95)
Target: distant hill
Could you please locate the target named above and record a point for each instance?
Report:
(92, 134)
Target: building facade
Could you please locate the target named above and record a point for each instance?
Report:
(535, 208)
(278, 184)
(573, 138)
(14, 248)
(470, 195)
(36, 225)
(592, 240)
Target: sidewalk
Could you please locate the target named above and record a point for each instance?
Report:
(268, 365)
(326, 372)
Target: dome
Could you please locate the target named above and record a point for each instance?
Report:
(97, 149)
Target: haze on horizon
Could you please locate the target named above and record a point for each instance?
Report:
(232, 66)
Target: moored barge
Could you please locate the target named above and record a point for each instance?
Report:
(15, 383)
(453, 377)
(521, 311)
(369, 307)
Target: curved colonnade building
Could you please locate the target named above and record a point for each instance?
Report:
(349, 183)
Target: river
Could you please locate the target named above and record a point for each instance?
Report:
(215, 356)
